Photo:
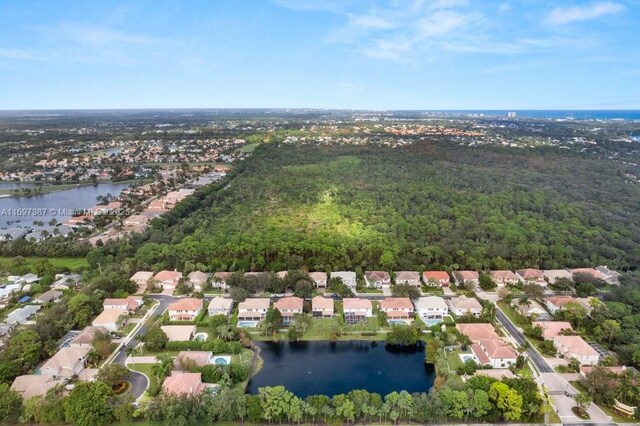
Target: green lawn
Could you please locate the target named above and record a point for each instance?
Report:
(145, 369)
(513, 315)
(249, 148)
(73, 263)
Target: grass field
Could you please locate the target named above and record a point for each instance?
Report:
(73, 263)
(513, 315)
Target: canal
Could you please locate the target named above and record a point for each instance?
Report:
(331, 368)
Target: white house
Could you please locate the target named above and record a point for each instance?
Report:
(289, 307)
(463, 277)
(220, 279)
(377, 279)
(319, 279)
(168, 279)
(110, 319)
(198, 280)
(67, 362)
(575, 347)
(411, 278)
(186, 309)
(322, 307)
(398, 309)
(494, 352)
(432, 309)
(347, 277)
(253, 309)
(220, 306)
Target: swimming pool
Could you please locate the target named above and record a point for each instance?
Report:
(247, 324)
(222, 360)
(466, 357)
(200, 337)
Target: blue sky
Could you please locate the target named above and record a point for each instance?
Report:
(365, 54)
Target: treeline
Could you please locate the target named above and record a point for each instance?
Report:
(431, 205)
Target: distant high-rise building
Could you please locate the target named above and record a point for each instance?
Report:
(511, 114)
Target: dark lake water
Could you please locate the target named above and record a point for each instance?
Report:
(81, 197)
(331, 368)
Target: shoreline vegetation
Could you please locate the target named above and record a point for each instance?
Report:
(34, 189)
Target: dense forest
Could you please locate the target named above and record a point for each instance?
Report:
(427, 205)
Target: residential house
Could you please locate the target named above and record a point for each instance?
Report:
(322, 307)
(552, 275)
(200, 358)
(436, 278)
(253, 309)
(219, 280)
(111, 319)
(22, 315)
(31, 385)
(183, 384)
(609, 276)
(198, 280)
(464, 305)
(186, 309)
(168, 279)
(49, 296)
(551, 329)
(411, 278)
(320, 280)
(432, 309)
(67, 362)
(464, 277)
(356, 309)
(588, 271)
(531, 309)
(347, 277)
(220, 306)
(129, 304)
(398, 309)
(576, 348)
(494, 352)
(531, 276)
(377, 279)
(556, 303)
(86, 337)
(478, 331)
(141, 278)
(179, 333)
(502, 278)
(289, 307)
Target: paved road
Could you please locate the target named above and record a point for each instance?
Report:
(537, 359)
(139, 382)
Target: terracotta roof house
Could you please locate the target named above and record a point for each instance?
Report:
(183, 384)
(397, 309)
(66, 362)
(615, 369)
(556, 303)
(347, 277)
(462, 277)
(186, 309)
(502, 278)
(464, 305)
(129, 304)
(141, 278)
(588, 271)
(179, 333)
(253, 309)
(432, 309)
(478, 331)
(110, 319)
(320, 279)
(220, 306)
(575, 347)
(322, 307)
(532, 309)
(34, 385)
(356, 310)
(168, 279)
(198, 280)
(551, 329)
(436, 278)
(49, 296)
(220, 280)
(86, 336)
(377, 279)
(494, 352)
(411, 278)
(534, 276)
(288, 307)
(553, 274)
(201, 358)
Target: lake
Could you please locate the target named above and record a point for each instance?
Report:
(81, 197)
(331, 368)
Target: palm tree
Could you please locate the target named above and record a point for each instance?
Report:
(163, 367)
(130, 351)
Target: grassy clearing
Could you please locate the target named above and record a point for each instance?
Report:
(249, 148)
(513, 315)
(73, 263)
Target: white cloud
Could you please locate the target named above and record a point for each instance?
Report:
(371, 22)
(565, 15)
(444, 22)
(96, 35)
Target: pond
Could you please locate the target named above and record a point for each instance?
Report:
(331, 368)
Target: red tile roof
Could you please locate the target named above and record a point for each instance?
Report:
(435, 275)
